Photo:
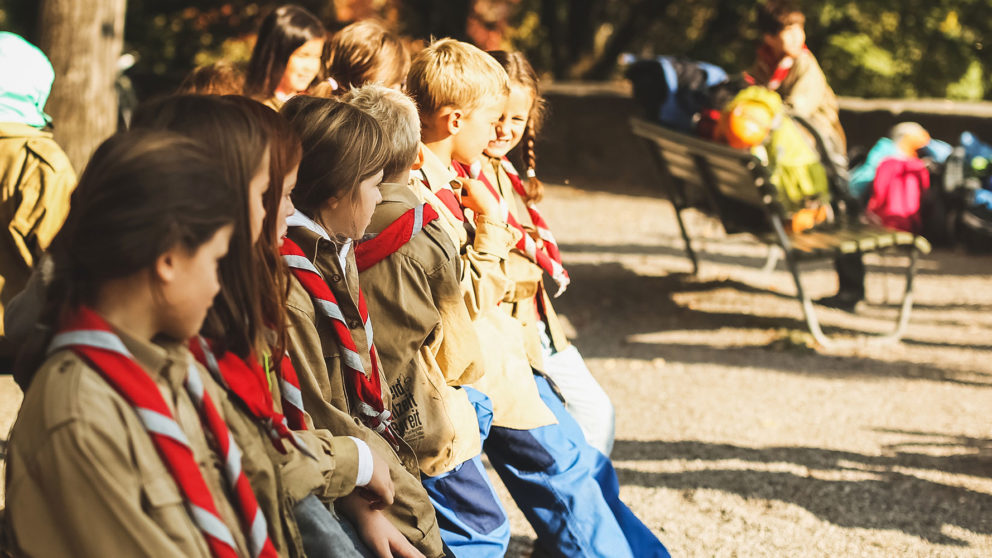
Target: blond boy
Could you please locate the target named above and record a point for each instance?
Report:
(461, 92)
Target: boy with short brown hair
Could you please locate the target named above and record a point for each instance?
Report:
(429, 350)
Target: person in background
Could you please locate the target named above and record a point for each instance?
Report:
(36, 177)
(286, 57)
(363, 52)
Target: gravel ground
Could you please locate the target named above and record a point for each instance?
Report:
(734, 438)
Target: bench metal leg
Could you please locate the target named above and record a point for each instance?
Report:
(685, 238)
(773, 254)
(813, 323)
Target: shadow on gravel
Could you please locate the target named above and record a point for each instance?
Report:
(890, 500)
(608, 303)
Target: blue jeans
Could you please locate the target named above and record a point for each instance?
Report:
(642, 541)
(323, 533)
(472, 519)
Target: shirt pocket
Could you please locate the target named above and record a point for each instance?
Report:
(166, 506)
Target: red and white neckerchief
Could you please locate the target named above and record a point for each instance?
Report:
(367, 386)
(371, 251)
(446, 194)
(782, 66)
(90, 337)
(248, 383)
(292, 396)
(541, 256)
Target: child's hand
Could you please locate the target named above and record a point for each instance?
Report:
(477, 197)
(379, 492)
(375, 530)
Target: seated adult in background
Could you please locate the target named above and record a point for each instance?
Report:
(785, 65)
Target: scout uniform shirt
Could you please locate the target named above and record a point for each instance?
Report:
(280, 480)
(424, 337)
(36, 180)
(84, 477)
(528, 301)
(508, 379)
(313, 348)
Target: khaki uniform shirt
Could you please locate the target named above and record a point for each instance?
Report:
(425, 338)
(528, 302)
(313, 348)
(84, 477)
(806, 91)
(508, 378)
(36, 179)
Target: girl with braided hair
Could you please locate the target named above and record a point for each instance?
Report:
(529, 302)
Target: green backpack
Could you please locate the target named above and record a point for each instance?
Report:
(794, 165)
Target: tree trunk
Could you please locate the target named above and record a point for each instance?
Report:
(83, 40)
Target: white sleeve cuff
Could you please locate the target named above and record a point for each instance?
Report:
(365, 463)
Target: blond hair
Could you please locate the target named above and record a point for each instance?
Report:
(397, 114)
(450, 73)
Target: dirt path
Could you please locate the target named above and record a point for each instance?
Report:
(735, 441)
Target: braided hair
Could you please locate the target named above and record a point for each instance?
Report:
(522, 74)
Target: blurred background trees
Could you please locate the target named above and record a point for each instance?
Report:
(883, 48)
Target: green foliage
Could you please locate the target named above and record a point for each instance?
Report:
(882, 48)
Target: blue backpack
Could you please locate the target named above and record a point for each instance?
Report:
(673, 90)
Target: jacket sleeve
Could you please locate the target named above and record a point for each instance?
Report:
(92, 495)
(807, 92)
(483, 275)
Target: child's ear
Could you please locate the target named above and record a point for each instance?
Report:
(419, 162)
(165, 266)
(454, 121)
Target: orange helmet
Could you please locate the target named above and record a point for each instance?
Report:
(747, 124)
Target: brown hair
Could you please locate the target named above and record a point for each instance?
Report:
(522, 73)
(450, 73)
(142, 193)
(342, 146)
(219, 78)
(237, 142)
(284, 30)
(775, 15)
(394, 111)
(285, 152)
(365, 52)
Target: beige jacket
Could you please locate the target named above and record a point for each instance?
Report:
(37, 180)
(528, 302)
(313, 348)
(84, 477)
(508, 378)
(425, 338)
(806, 91)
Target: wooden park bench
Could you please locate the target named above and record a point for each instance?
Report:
(733, 186)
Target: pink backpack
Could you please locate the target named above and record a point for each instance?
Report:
(897, 190)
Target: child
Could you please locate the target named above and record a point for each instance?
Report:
(528, 302)
(286, 57)
(331, 336)
(282, 466)
(409, 269)
(113, 451)
(785, 65)
(219, 78)
(363, 52)
(35, 174)
(461, 92)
